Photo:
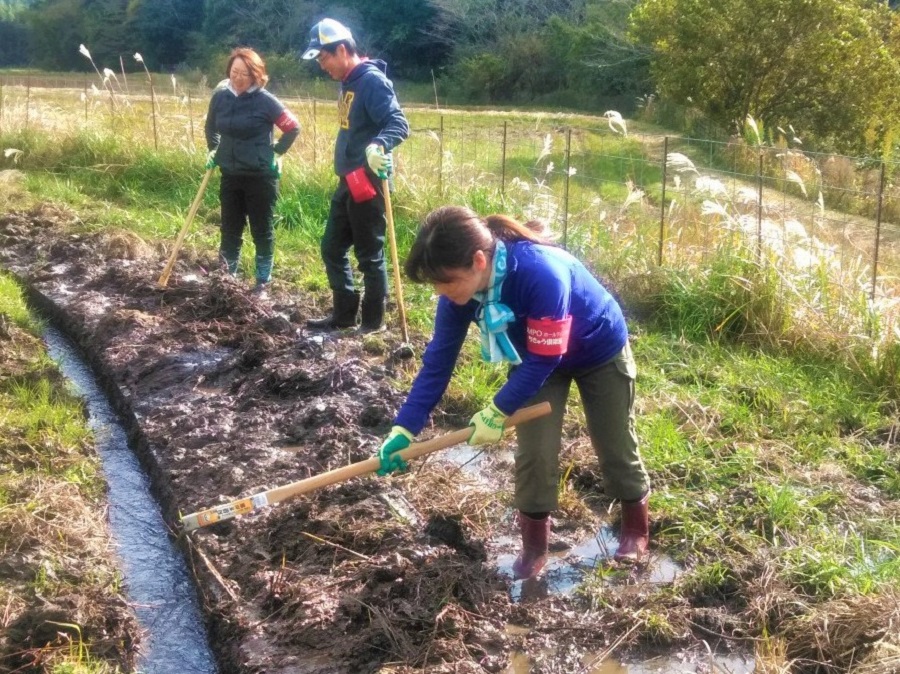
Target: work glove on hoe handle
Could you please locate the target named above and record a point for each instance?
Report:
(380, 163)
(488, 426)
(211, 160)
(398, 439)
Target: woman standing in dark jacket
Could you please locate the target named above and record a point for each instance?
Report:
(240, 139)
(542, 312)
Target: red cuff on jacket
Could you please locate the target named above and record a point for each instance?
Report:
(548, 336)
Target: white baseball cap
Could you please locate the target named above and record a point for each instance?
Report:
(327, 31)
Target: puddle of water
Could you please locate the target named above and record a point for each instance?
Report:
(157, 581)
(566, 570)
(681, 663)
(721, 664)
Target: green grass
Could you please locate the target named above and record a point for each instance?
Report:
(763, 409)
(51, 491)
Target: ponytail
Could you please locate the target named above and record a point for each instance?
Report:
(450, 236)
(507, 229)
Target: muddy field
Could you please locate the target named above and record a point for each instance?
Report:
(232, 396)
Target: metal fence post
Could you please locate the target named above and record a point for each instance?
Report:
(759, 208)
(877, 230)
(441, 159)
(565, 240)
(27, 101)
(191, 119)
(503, 165)
(662, 202)
(153, 105)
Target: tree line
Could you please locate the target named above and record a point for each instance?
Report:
(822, 73)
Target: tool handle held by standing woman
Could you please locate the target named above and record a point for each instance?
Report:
(226, 511)
(164, 277)
(395, 261)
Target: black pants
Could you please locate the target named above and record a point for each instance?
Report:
(243, 198)
(362, 227)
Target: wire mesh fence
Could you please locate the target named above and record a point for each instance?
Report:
(670, 200)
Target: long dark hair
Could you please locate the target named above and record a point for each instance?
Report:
(450, 236)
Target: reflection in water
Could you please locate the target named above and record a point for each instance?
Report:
(157, 582)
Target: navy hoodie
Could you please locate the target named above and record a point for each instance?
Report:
(368, 112)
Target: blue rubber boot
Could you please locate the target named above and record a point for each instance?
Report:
(229, 262)
(264, 268)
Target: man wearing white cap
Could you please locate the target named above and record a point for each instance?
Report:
(371, 125)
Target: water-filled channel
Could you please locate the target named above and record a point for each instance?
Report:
(157, 582)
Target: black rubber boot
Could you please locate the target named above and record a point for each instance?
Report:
(343, 315)
(372, 315)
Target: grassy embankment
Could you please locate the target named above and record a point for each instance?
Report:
(59, 584)
(767, 394)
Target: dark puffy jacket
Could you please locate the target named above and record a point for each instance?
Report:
(240, 130)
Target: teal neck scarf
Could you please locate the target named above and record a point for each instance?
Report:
(494, 317)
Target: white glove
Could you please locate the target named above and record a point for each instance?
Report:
(379, 162)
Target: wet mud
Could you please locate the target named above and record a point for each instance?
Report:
(231, 396)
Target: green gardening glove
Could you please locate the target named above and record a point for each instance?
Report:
(277, 164)
(380, 163)
(211, 160)
(488, 426)
(398, 439)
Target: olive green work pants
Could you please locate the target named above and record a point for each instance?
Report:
(607, 394)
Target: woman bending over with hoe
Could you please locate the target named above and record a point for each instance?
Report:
(540, 310)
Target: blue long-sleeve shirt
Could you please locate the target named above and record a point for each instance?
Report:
(368, 112)
(542, 282)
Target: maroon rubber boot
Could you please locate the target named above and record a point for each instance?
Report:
(535, 542)
(635, 534)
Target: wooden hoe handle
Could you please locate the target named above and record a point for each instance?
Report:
(164, 277)
(395, 261)
(243, 506)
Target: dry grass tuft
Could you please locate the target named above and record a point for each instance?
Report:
(12, 189)
(125, 245)
(839, 635)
